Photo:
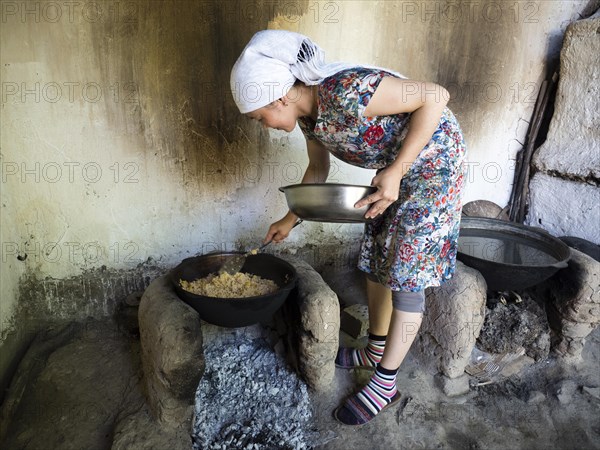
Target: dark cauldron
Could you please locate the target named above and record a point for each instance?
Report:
(510, 256)
(235, 312)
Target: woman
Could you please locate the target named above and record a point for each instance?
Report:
(376, 119)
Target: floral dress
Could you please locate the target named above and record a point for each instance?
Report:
(413, 244)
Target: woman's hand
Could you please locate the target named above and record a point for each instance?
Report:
(387, 182)
(280, 230)
(425, 102)
(316, 172)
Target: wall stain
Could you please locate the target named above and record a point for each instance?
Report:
(178, 57)
(95, 293)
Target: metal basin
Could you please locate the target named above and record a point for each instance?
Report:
(510, 256)
(235, 312)
(327, 202)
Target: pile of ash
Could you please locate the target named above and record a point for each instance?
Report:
(250, 399)
(514, 321)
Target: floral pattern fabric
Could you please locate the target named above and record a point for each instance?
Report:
(413, 244)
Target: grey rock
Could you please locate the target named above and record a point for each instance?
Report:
(484, 208)
(453, 387)
(563, 206)
(355, 320)
(452, 321)
(573, 142)
(592, 392)
(536, 397)
(565, 391)
(576, 330)
(171, 351)
(569, 350)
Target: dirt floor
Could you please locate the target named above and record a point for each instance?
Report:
(546, 406)
(78, 387)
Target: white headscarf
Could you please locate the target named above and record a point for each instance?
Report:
(272, 62)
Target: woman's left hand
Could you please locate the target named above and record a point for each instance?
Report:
(387, 182)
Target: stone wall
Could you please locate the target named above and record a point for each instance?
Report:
(564, 193)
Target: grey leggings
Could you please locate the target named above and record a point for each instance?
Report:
(411, 302)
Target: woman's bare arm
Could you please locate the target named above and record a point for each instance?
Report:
(318, 163)
(316, 172)
(426, 102)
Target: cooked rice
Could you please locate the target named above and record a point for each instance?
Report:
(226, 285)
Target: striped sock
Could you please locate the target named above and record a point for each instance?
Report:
(369, 356)
(379, 393)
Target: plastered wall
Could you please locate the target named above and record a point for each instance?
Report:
(122, 151)
(564, 194)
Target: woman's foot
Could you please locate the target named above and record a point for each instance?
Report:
(368, 357)
(379, 394)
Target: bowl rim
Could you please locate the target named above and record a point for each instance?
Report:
(288, 286)
(344, 217)
(502, 227)
(333, 185)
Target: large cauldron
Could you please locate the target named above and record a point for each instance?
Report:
(510, 256)
(235, 312)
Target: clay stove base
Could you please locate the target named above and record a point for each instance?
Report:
(81, 390)
(79, 386)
